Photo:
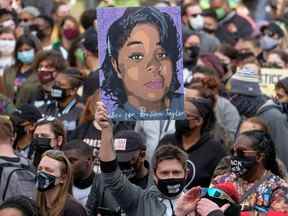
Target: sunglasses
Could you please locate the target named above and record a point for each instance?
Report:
(241, 153)
(216, 193)
(195, 15)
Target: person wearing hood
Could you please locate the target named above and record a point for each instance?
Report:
(169, 173)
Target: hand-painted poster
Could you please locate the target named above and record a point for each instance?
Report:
(140, 53)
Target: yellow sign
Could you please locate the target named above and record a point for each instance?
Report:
(269, 77)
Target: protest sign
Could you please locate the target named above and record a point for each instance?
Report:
(141, 72)
(269, 77)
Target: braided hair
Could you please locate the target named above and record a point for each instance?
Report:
(262, 143)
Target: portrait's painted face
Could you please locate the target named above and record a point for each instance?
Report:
(145, 68)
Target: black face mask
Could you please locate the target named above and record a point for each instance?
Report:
(209, 31)
(127, 169)
(44, 181)
(241, 165)
(40, 145)
(182, 127)
(171, 187)
(58, 93)
(190, 56)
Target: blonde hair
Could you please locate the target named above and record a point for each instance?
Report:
(65, 190)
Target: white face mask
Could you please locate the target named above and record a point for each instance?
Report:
(7, 47)
(197, 22)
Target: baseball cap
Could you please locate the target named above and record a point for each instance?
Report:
(25, 113)
(274, 28)
(127, 144)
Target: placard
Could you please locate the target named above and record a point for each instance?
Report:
(140, 52)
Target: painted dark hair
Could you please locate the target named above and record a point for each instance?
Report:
(118, 34)
(262, 143)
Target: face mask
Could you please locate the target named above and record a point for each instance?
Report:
(197, 22)
(26, 57)
(190, 56)
(127, 169)
(40, 145)
(70, 33)
(241, 165)
(7, 47)
(268, 43)
(45, 76)
(220, 12)
(39, 33)
(209, 31)
(58, 93)
(182, 127)
(171, 187)
(44, 181)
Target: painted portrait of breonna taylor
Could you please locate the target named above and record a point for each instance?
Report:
(141, 72)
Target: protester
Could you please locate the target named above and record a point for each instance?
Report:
(26, 18)
(226, 113)
(19, 206)
(250, 124)
(130, 152)
(80, 155)
(169, 171)
(49, 134)
(7, 47)
(24, 120)
(254, 173)
(194, 135)
(88, 19)
(89, 130)
(68, 31)
(10, 163)
(21, 75)
(231, 26)
(54, 184)
(274, 114)
(66, 105)
(48, 64)
(42, 27)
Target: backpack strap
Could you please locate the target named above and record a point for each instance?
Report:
(254, 187)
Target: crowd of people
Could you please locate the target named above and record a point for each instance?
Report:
(62, 155)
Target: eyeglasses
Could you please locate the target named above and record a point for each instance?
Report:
(241, 153)
(216, 193)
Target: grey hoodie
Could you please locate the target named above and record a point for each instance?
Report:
(277, 121)
(133, 199)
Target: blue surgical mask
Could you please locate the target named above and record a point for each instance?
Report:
(26, 57)
(268, 43)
